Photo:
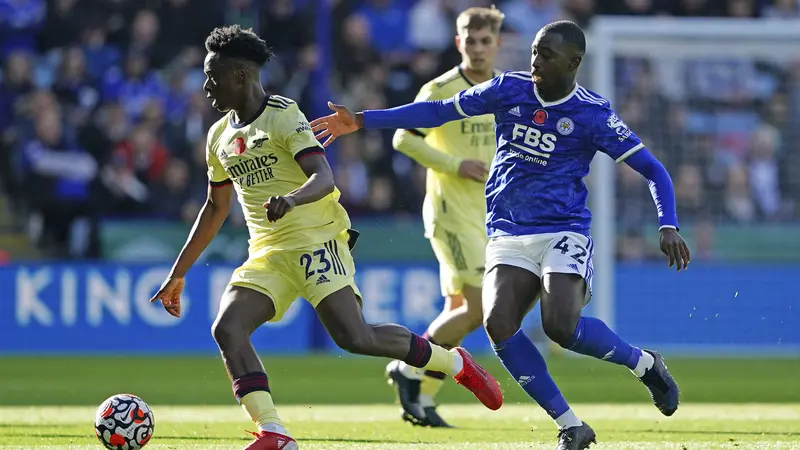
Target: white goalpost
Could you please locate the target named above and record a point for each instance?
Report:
(663, 39)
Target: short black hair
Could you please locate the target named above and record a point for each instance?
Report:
(233, 41)
(569, 31)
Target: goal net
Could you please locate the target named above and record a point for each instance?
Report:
(718, 102)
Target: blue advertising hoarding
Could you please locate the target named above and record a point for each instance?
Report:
(104, 308)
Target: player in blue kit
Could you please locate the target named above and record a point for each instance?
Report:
(548, 129)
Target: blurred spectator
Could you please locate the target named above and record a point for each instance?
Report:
(114, 86)
(431, 28)
(57, 177)
(763, 171)
(527, 17)
(134, 86)
(781, 9)
(20, 21)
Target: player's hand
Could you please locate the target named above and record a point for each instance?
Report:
(473, 170)
(675, 248)
(170, 295)
(341, 122)
(278, 207)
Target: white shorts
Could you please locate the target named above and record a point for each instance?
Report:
(564, 252)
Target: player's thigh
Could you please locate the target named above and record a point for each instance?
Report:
(271, 277)
(509, 292)
(241, 311)
(567, 278)
(341, 315)
(462, 258)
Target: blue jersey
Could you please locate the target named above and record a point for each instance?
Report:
(543, 153)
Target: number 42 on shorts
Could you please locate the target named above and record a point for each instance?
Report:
(578, 256)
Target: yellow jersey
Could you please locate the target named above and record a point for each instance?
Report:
(452, 201)
(260, 159)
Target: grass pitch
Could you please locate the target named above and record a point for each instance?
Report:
(332, 402)
(695, 427)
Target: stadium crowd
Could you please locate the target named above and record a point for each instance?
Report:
(102, 112)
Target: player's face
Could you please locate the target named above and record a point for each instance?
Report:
(478, 48)
(551, 59)
(220, 86)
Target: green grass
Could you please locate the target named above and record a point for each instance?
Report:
(359, 380)
(331, 402)
(351, 427)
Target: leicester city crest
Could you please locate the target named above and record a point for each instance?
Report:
(565, 126)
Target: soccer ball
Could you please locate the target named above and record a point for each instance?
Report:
(124, 422)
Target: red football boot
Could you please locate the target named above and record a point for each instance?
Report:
(479, 382)
(266, 440)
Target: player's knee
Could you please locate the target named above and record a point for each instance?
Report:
(559, 328)
(499, 328)
(227, 333)
(358, 343)
(474, 318)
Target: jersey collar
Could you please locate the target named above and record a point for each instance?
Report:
(495, 73)
(557, 102)
(258, 113)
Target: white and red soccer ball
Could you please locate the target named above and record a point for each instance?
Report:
(124, 422)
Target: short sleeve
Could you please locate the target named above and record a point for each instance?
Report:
(294, 131)
(613, 137)
(216, 173)
(479, 99)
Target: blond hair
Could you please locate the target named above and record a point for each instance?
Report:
(477, 18)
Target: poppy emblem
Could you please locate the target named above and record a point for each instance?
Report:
(539, 117)
(238, 146)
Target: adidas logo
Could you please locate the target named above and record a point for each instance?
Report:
(322, 279)
(573, 267)
(525, 379)
(515, 111)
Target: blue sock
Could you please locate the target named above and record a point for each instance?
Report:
(593, 338)
(526, 365)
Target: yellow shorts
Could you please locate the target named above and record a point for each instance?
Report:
(312, 272)
(462, 257)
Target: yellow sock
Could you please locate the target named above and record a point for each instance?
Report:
(444, 361)
(428, 388)
(259, 406)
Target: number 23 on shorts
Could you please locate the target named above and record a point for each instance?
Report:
(322, 261)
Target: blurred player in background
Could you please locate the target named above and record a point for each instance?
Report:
(300, 240)
(456, 155)
(549, 129)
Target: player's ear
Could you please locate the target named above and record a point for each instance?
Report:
(458, 41)
(240, 73)
(574, 63)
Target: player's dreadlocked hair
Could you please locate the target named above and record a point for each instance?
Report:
(570, 31)
(235, 42)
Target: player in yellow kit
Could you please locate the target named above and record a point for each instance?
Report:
(457, 155)
(300, 240)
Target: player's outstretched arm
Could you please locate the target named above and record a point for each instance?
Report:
(413, 115)
(319, 184)
(207, 225)
(412, 144)
(663, 192)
